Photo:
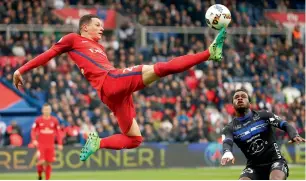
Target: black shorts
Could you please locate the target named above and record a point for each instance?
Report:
(263, 172)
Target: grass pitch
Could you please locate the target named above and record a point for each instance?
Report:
(228, 173)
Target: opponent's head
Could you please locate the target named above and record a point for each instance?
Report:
(91, 26)
(46, 110)
(241, 101)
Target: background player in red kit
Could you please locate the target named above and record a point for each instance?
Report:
(44, 131)
(115, 86)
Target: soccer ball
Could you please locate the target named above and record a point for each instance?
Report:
(218, 16)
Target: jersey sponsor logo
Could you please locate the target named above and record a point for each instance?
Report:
(277, 150)
(251, 130)
(130, 69)
(252, 138)
(96, 50)
(46, 131)
(256, 146)
(84, 41)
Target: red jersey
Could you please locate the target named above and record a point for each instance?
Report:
(87, 54)
(45, 131)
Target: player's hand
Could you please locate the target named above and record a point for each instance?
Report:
(228, 156)
(35, 143)
(60, 147)
(17, 80)
(297, 140)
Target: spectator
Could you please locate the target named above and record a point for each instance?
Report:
(2, 132)
(14, 134)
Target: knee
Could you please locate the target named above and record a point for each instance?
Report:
(277, 175)
(137, 140)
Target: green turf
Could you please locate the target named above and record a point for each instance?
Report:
(296, 173)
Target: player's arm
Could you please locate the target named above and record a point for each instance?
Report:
(63, 45)
(34, 132)
(277, 122)
(227, 138)
(58, 135)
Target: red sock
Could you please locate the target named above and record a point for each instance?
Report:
(180, 64)
(48, 172)
(39, 169)
(120, 141)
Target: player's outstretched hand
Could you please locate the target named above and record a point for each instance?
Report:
(60, 147)
(228, 156)
(297, 140)
(17, 79)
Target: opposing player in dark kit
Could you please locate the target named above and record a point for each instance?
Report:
(254, 133)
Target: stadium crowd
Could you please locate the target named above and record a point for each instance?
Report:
(189, 107)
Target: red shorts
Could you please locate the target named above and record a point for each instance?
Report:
(117, 92)
(46, 154)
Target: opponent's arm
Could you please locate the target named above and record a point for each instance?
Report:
(227, 138)
(277, 122)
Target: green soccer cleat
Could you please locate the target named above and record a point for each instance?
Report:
(215, 49)
(91, 146)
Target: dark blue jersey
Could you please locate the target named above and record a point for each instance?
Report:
(254, 134)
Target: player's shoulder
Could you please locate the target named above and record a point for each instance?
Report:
(54, 119)
(73, 35)
(228, 126)
(263, 113)
(38, 118)
(70, 36)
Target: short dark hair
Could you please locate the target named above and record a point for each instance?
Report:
(241, 90)
(46, 104)
(85, 20)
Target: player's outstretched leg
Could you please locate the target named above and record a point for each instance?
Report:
(129, 140)
(91, 146)
(151, 73)
(216, 48)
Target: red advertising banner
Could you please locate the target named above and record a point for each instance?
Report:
(287, 17)
(72, 15)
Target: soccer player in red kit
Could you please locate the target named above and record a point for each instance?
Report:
(44, 131)
(115, 86)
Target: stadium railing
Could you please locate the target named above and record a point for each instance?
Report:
(186, 31)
